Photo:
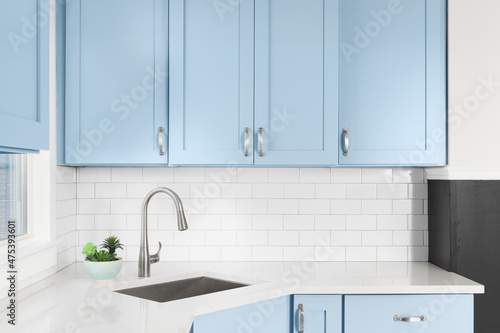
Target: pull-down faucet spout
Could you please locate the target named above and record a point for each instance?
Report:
(145, 260)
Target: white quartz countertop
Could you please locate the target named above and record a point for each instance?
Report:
(71, 302)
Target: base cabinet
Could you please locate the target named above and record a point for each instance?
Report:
(409, 313)
(346, 314)
(271, 316)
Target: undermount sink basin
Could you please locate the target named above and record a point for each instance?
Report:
(175, 290)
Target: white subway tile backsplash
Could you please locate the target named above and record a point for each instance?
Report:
(361, 191)
(266, 191)
(237, 191)
(345, 207)
(346, 238)
(376, 238)
(267, 253)
(267, 222)
(252, 206)
(126, 175)
(345, 176)
(361, 222)
(299, 222)
(366, 253)
(110, 190)
(329, 222)
(392, 222)
(284, 175)
(94, 206)
(418, 222)
(158, 175)
(283, 206)
(376, 207)
(253, 175)
(299, 191)
(316, 238)
(392, 191)
(314, 206)
(298, 253)
(376, 176)
(220, 237)
(236, 222)
(392, 253)
(288, 238)
(236, 253)
(409, 238)
(251, 237)
(314, 175)
(330, 191)
(252, 214)
(408, 207)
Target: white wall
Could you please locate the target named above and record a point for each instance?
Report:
(474, 106)
(259, 214)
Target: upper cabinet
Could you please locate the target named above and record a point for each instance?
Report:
(211, 82)
(296, 82)
(116, 82)
(392, 83)
(255, 83)
(24, 76)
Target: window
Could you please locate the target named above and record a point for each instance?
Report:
(13, 194)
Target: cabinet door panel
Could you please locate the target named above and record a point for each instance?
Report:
(116, 81)
(375, 313)
(322, 313)
(272, 316)
(24, 81)
(211, 82)
(392, 82)
(296, 81)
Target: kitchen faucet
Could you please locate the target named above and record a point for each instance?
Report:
(145, 260)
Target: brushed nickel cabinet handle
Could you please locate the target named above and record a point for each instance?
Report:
(302, 318)
(261, 142)
(346, 141)
(247, 141)
(409, 319)
(160, 140)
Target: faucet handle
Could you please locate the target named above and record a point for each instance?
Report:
(155, 257)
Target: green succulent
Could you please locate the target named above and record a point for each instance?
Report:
(110, 245)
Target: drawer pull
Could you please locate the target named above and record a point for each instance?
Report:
(302, 318)
(409, 319)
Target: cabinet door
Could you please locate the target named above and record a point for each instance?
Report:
(272, 316)
(24, 78)
(116, 82)
(317, 313)
(376, 313)
(393, 83)
(296, 82)
(211, 82)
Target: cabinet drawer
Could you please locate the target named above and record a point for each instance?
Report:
(375, 313)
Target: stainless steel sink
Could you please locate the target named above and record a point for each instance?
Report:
(175, 290)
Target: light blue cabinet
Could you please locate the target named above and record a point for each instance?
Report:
(317, 313)
(211, 82)
(392, 83)
(296, 82)
(217, 117)
(116, 82)
(431, 313)
(272, 316)
(24, 76)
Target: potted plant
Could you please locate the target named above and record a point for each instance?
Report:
(103, 265)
